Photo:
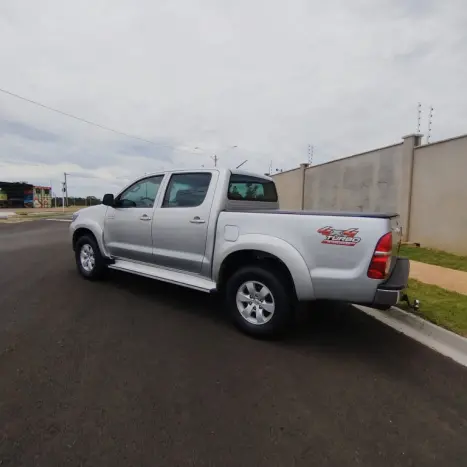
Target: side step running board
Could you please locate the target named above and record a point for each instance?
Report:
(165, 275)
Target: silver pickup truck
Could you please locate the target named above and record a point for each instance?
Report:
(222, 231)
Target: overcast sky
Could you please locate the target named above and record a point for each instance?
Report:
(267, 76)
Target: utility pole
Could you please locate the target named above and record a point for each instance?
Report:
(214, 156)
(51, 195)
(66, 189)
(63, 196)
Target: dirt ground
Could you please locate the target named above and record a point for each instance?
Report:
(449, 279)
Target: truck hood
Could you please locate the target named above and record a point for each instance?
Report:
(91, 211)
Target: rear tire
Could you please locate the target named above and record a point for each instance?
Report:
(89, 260)
(260, 302)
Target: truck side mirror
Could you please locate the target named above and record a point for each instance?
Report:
(108, 200)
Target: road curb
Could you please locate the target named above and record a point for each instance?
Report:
(435, 337)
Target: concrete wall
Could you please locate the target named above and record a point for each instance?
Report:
(366, 182)
(377, 181)
(426, 185)
(290, 189)
(439, 196)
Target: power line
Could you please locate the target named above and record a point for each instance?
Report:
(83, 120)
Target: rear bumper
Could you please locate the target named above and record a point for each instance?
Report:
(388, 292)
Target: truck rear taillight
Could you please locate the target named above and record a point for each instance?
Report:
(381, 260)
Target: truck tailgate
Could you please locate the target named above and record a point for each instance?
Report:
(396, 235)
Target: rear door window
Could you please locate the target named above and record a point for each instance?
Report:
(186, 190)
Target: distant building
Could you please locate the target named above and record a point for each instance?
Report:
(24, 195)
(42, 197)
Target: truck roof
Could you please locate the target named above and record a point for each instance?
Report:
(221, 171)
(250, 174)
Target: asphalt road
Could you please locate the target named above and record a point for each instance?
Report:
(133, 372)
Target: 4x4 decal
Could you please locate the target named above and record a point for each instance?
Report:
(347, 237)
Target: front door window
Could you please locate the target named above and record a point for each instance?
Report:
(141, 194)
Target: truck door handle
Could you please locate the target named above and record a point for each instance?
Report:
(145, 217)
(197, 220)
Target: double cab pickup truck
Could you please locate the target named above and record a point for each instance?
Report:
(222, 231)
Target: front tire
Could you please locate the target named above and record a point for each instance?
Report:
(260, 302)
(89, 261)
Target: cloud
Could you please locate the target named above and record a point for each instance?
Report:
(269, 77)
(23, 130)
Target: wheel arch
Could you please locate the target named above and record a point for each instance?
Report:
(241, 258)
(82, 232)
(90, 227)
(274, 252)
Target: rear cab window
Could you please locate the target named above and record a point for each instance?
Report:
(250, 188)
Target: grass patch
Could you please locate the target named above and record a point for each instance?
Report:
(41, 214)
(28, 211)
(440, 306)
(436, 257)
(31, 216)
(48, 214)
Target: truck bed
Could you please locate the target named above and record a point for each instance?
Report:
(374, 215)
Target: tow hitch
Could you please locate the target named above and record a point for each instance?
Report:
(414, 305)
